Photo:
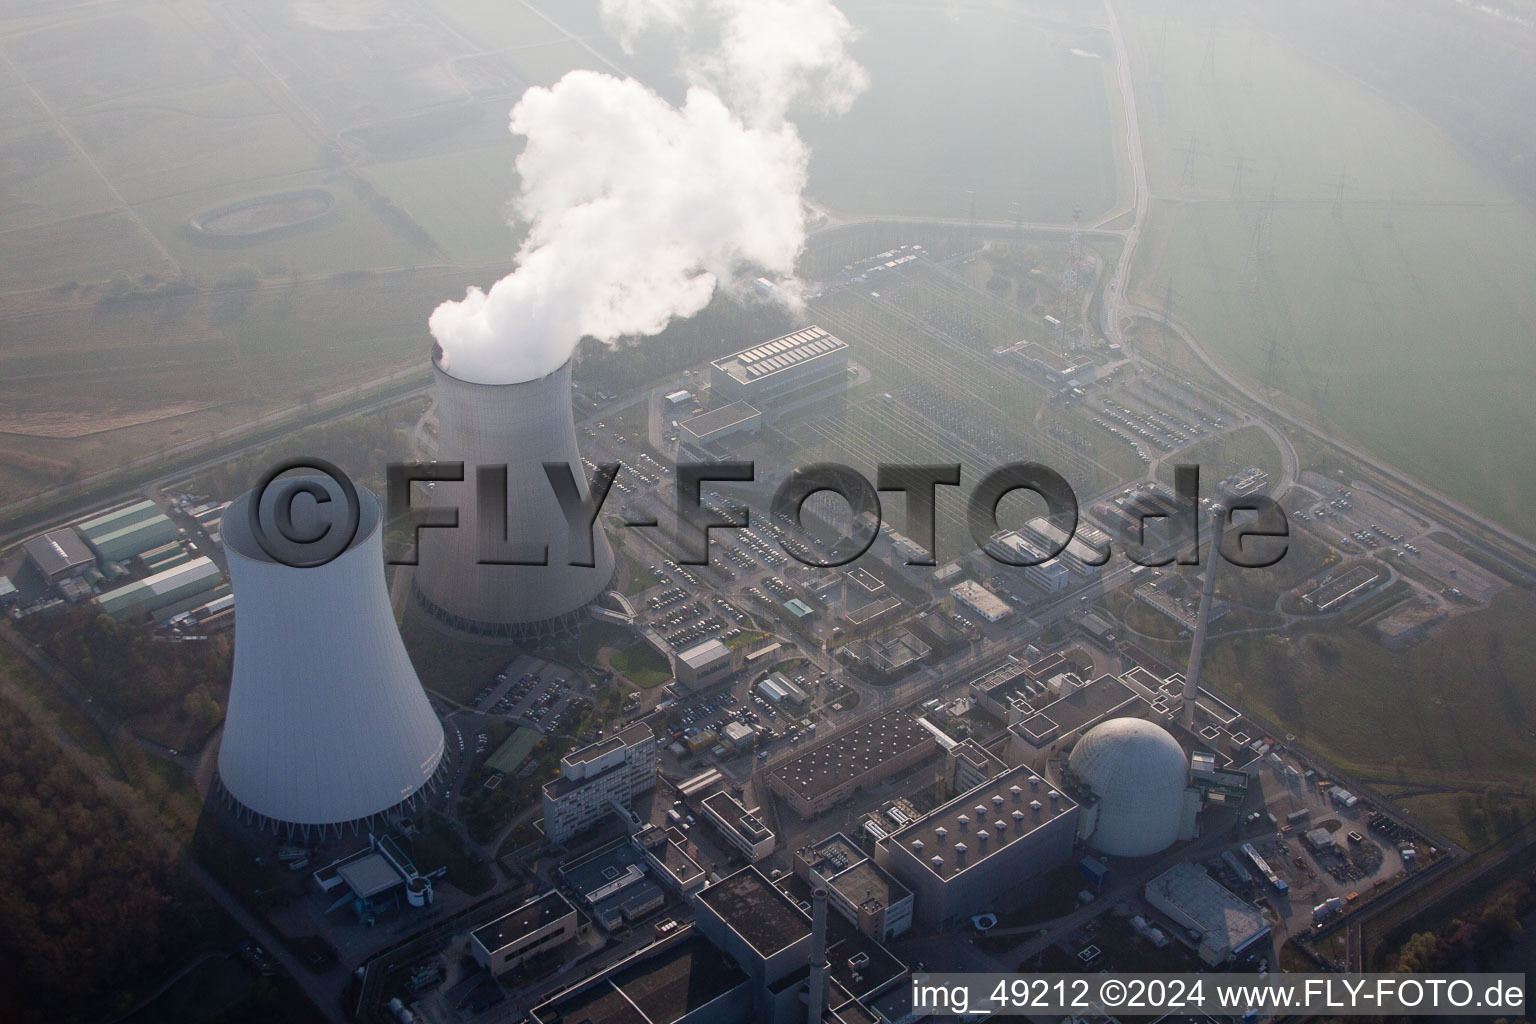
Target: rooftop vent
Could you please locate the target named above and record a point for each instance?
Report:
(981, 839)
(964, 822)
(1017, 793)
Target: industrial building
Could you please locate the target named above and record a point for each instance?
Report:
(981, 600)
(495, 594)
(598, 778)
(666, 851)
(1044, 573)
(803, 363)
(742, 829)
(1132, 779)
(888, 652)
(862, 891)
(826, 774)
(123, 533)
(718, 424)
(777, 688)
(537, 926)
(367, 875)
(1084, 550)
(985, 850)
(1078, 705)
(327, 724)
(614, 884)
(166, 593)
(684, 980)
(58, 554)
(1201, 906)
(703, 665)
(967, 764)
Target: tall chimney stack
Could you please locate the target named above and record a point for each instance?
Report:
(1197, 648)
(816, 997)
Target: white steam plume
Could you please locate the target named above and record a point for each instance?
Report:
(637, 209)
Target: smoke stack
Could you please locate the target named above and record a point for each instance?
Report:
(1197, 647)
(816, 997)
(520, 426)
(328, 725)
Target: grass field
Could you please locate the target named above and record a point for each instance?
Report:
(463, 197)
(1459, 710)
(1393, 277)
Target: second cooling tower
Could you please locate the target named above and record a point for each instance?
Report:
(520, 426)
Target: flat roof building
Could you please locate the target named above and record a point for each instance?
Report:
(685, 980)
(824, 775)
(802, 362)
(985, 850)
(537, 926)
(702, 665)
(718, 424)
(742, 828)
(981, 600)
(597, 778)
(58, 554)
(1080, 706)
(1196, 902)
(862, 891)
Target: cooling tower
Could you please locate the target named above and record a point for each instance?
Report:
(521, 426)
(328, 725)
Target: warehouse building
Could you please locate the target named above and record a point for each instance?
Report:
(718, 424)
(986, 850)
(597, 778)
(801, 364)
(536, 927)
(166, 593)
(703, 665)
(742, 828)
(58, 555)
(1201, 906)
(829, 772)
(123, 533)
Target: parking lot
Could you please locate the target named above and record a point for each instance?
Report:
(529, 691)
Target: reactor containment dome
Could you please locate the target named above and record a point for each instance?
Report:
(1138, 775)
(328, 726)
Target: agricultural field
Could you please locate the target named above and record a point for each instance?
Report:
(1455, 714)
(1011, 109)
(1388, 273)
